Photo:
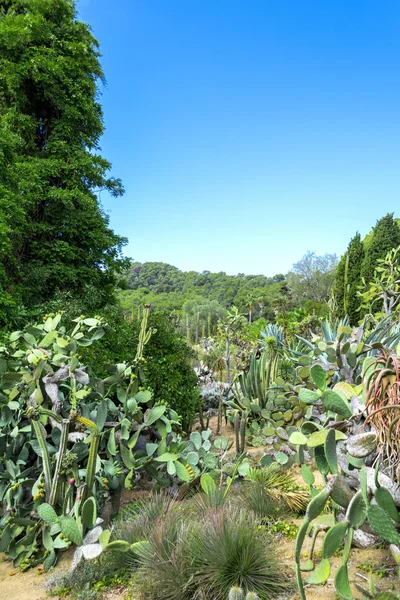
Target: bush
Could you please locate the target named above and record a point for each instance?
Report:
(205, 557)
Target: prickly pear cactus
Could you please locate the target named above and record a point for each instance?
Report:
(381, 515)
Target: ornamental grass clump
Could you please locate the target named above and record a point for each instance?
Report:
(207, 557)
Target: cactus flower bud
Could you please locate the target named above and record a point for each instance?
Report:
(72, 481)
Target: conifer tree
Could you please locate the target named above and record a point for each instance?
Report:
(385, 237)
(60, 236)
(355, 257)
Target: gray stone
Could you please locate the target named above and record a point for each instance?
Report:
(93, 535)
(362, 539)
(91, 551)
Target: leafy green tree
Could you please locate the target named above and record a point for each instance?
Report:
(385, 237)
(312, 277)
(51, 170)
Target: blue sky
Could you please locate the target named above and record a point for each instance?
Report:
(248, 132)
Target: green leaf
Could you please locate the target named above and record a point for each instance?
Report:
(155, 414)
(307, 474)
(333, 538)
(104, 538)
(244, 468)
(192, 458)
(332, 401)
(385, 500)
(166, 457)
(151, 449)
(382, 524)
(171, 469)
(127, 457)
(297, 438)
(111, 445)
(182, 471)
(71, 530)
(50, 561)
(196, 439)
(318, 376)
(101, 415)
(308, 396)
(118, 546)
(318, 437)
(208, 484)
(281, 458)
(330, 451)
(321, 573)
(143, 397)
(47, 513)
(342, 584)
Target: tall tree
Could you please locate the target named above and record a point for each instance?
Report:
(312, 277)
(348, 278)
(385, 236)
(49, 74)
(355, 257)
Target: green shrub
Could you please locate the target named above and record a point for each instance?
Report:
(207, 556)
(168, 368)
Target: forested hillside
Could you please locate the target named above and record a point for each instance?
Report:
(165, 286)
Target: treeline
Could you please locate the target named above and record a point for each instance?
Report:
(166, 287)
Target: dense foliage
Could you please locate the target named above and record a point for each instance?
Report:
(357, 266)
(54, 233)
(165, 286)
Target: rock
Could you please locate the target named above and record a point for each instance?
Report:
(78, 555)
(361, 445)
(93, 535)
(356, 405)
(91, 551)
(363, 540)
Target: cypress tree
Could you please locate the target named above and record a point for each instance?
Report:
(60, 238)
(347, 280)
(355, 253)
(385, 236)
(339, 285)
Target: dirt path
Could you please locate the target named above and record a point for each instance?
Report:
(15, 585)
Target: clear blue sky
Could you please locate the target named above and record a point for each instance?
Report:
(248, 132)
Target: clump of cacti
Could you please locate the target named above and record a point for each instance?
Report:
(381, 515)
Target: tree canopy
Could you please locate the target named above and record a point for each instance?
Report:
(54, 233)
